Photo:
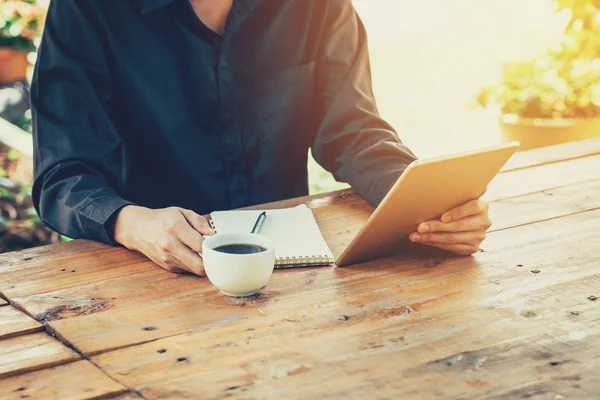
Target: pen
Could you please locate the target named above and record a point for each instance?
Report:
(259, 222)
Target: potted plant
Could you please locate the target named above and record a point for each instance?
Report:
(554, 98)
(20, 23)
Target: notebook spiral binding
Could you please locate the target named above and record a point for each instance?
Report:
(309, 261)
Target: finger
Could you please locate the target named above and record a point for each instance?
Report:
(449, 238)
(473, 207)
(198, 222)
(473, 223)
(188, 259)
(483, 193)
(167, 263)
(189, 236)
(460, 249)
(171, 269)
(171, 252)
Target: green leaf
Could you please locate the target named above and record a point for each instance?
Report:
(13, 155)
(25, 191)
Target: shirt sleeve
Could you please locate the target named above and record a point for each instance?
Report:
(353, 142)
(79, 158)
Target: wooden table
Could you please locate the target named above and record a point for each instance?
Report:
(518, 320)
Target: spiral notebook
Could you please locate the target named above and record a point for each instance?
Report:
(298, 240)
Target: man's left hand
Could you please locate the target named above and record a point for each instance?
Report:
(460, 230)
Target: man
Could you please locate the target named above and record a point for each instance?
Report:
(149, 113)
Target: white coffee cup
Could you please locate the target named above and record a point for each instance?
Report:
(238, 275)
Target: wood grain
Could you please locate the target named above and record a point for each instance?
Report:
(38, 271)
(23, 354)
(110, 294)
(464, 314)
(396, 365)
(387, 341)
(34, 255)
(14, 323)
(517, 320)
(551, 154)
(543, 177)
(69, 264)
(75, 381)
(421, 278)
(186, 286)
(540, 206)
(132, 290)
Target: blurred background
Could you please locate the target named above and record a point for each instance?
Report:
(435, 61)
(449, 75)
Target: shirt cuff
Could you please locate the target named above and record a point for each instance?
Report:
(103, 213)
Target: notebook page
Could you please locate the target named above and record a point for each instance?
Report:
(293, 230)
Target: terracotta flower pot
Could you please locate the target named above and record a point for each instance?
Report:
(539, 132)
(13, 65)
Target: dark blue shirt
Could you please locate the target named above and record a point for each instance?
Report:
(138, 102)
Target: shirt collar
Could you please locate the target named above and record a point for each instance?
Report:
(152, 5)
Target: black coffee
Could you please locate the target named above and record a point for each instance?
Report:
(240, 249)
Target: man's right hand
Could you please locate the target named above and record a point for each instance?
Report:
(171, 237)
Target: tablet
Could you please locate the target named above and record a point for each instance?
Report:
(426, 190)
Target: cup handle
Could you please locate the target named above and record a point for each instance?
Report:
(200, 254)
